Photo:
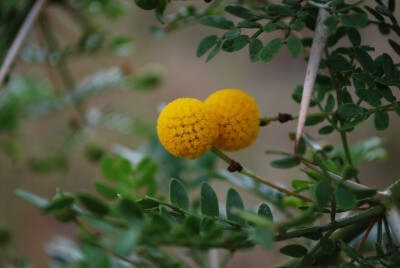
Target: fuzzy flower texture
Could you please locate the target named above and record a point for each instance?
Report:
(228, 120)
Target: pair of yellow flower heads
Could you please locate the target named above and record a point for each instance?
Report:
(228, 120)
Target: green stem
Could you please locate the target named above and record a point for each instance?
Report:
(362, 216)
(294, 117)
(251, 175)
(54, 48)
(346, 149)
(306, 259)
(379, 233)
(388, 233)
(84, 227)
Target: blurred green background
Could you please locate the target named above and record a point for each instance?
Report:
(184, 75)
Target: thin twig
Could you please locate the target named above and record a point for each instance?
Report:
(249, 174)
(349, 184)
(317, 49)
(20, 38)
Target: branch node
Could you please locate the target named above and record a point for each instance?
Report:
(235, 166)
(284, 117)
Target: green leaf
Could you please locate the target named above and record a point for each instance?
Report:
(329, 24)
(384, 10)
(367, 193)
(325, 130)
(349, 110)
(349, 172)
(129, 210)
(235, 32)
(97, 257)
(311, 121)
(339, 65)
(357, 20)
(208, 201)
(353, 123)
(322, 193)
(32, 198)
(205, 44)
(272, 26)
(108, 168)
(389, 68)
(396, 108)
(268, 52)
(354, 37)
(241, 12)
(294, 250)
(254, 49)
(330, 103)
(386, 93)
(328, 246)
(345, 198)
(160, 9)
(375, 13)
(395, 46)
(365, 60)
(93, 204)
(60, 202)
(217, 22)
(295, 46)
(106, 190)
(5, 236)
(287, 162)
(127, 241)
(352, 253)
(381, 120)
(298, 25)
(235, 44)
(373, 97)
(215, 51)
(248, 24)
(263, 236)
(233, 200)
(178, 195)
(265, 211)
(300, 185)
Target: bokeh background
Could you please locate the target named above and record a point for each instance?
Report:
(184, 75)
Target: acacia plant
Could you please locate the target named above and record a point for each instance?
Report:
(133, 224)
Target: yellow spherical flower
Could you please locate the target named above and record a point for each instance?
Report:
(238, 118)
(187, 128)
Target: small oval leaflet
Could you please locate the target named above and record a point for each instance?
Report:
(322, 193)
(208, 201)
(217, 22)
(233, 200)
(349, 110)
(365, 60)
(265, 211)
(294, 250)
(268, 52)
(345, 198)
(178, 195)
(381, 120)
(235, 44)
(93, 204)
(241, 12)
(357, 20)
(295, 46)
(205, 44)
(106, 190)
(287, 162)
(254, 49)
